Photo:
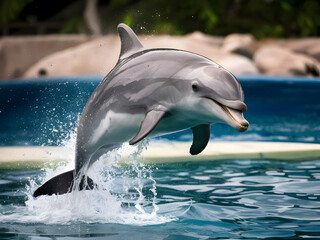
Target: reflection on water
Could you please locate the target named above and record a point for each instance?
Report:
(223, 199)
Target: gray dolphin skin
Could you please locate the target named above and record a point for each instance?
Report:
(151, 92)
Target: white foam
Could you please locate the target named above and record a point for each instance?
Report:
(124, 195)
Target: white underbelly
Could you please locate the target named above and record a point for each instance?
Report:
(116, 128)
(171, 125)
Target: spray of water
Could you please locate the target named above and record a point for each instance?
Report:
(126, 194)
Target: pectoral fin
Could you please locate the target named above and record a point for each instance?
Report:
(201, 136)
(148, 124)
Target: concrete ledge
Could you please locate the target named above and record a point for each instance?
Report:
(162, 152)
(168, 152)
(32, 157)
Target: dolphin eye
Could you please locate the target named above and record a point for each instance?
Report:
(195, 87)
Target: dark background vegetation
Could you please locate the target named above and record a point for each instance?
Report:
(262, 18)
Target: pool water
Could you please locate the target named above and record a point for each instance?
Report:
(236, 199)
(42, 111)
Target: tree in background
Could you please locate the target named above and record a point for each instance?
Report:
(91, 17)
(262, 18)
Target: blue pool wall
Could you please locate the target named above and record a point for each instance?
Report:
(44, 111)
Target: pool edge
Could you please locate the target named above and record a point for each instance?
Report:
(18, 157)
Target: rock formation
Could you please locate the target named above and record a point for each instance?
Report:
(31, 57)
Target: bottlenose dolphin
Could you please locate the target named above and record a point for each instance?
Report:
(151, 92)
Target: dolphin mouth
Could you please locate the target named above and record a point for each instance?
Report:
(238, 122)
(242, 124)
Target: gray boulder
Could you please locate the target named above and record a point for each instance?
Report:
(100, 55)
(242, 44)
(308, 46)
(275, 60)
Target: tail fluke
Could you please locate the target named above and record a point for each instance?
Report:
(62, 184)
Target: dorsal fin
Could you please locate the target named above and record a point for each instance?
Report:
(129, 41)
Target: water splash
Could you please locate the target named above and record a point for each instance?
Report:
(126, 194)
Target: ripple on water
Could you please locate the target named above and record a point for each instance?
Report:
(223, 199)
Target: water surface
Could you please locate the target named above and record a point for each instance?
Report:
(236, 199)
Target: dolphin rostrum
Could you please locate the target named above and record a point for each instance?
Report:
(151, 92)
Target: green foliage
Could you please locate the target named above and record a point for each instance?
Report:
(74, 25)
(127, 19)
(9, 9)
(208, 15)
(263, 18)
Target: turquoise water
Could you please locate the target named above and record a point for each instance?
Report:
(236, 199)
(279, 109)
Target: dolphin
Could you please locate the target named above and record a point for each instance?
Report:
(151, 92)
